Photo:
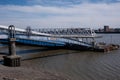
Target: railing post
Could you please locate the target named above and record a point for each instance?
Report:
(12, 59)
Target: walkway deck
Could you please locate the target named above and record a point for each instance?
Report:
(63, 38)
(51, 43)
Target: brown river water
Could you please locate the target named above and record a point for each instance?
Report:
(80, 65)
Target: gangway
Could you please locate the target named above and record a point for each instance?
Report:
(46, 39)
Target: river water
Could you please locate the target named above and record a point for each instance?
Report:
(84, 65)
(109, 38)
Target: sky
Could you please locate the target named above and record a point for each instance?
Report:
(60, 13)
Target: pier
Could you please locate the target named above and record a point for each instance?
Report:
(75, 37)
(12, 59)
(59, 38)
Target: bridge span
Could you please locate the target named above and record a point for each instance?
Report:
(62, 38)
(70, 38)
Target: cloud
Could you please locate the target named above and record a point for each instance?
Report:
(84, 15)
(54, 2)
(76, 9)
(67, 2)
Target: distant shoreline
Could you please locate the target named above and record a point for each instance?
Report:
(108, 32)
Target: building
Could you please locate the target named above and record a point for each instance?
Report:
(106, 29)
(117, 29)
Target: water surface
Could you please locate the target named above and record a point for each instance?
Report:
(80, 65)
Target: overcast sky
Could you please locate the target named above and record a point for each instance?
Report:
(60, 13)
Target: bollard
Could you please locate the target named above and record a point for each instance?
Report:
(12, 59)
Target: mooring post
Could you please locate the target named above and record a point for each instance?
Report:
(12, 59)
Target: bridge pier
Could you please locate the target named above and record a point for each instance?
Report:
(94, 43)
(12, 59)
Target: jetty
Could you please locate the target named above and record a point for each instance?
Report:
(65, 38)
(57, 38)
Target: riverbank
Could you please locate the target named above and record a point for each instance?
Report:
(107, 32)
(27, 71)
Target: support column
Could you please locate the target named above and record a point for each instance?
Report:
(12, 59)
(28, 31)
(94, 43)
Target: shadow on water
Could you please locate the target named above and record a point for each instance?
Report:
(36, 54)
(30, 51)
